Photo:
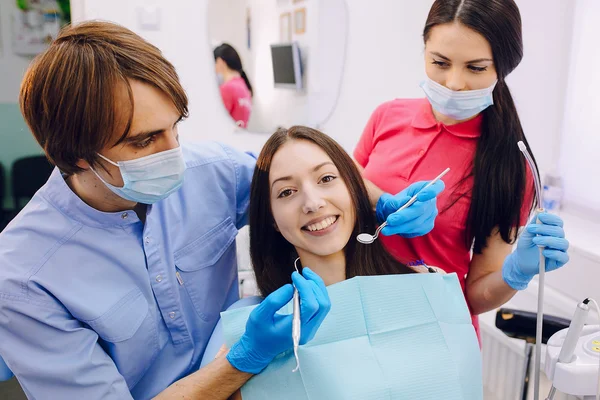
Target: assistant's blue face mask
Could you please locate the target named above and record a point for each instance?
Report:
(149, 179)
(458, 105)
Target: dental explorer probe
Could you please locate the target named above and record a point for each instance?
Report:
(542, 274)
(296, 320)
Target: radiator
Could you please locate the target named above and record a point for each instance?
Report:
(504, 363)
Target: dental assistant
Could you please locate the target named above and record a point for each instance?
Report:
(468, 122)
(114, 274)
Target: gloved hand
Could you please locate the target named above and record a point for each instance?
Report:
(416, 220)
(269, 334)
(523, 264)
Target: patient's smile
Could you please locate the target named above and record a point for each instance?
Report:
(322, 225)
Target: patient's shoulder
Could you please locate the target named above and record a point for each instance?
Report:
(246, 301)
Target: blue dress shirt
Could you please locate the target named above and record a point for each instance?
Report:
(97, 305)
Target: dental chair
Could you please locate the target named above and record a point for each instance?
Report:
(521, 325)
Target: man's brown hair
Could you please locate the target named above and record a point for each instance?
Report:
(68, 95)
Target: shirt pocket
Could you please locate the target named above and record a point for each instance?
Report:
(128, 335)
(207, 269)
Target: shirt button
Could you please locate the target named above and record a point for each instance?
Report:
(421, 152)
(172, 315)
(159, 278)
(147, 239)
(124, 215)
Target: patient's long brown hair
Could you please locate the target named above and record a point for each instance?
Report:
(273, 256)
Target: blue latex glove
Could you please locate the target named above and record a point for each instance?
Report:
(416, 220)
(524, 263)
(269, 334)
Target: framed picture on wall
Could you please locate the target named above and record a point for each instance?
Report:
(297, 1)
(285, 27)
(300, 21)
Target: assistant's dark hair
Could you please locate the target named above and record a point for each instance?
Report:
(227, 53)
(498, 169)
(272, 255)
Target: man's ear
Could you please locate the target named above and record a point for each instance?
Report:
(83, 164)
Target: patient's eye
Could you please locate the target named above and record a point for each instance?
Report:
(328, 178)
(285, 193)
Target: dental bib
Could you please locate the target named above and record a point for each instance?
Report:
(386, 337)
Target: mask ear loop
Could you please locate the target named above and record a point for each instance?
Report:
(101, 179)
(107, 160)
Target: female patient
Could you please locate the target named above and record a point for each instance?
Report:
(308, 200)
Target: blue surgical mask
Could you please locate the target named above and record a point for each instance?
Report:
(149, 179)
(458, 105)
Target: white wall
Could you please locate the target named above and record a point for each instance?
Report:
(580, 143)
(539, 84)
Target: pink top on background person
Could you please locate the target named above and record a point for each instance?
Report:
(237, 99)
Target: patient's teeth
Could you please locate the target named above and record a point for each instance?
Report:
(319, 226)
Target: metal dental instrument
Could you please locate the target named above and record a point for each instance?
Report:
(542, 274)
(296, 320)
(366, 238)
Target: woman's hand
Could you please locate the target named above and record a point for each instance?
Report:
(523, 264)
(413, 221)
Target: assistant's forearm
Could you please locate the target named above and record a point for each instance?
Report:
(217, 381)
(488, 292)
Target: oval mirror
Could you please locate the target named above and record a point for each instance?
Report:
(279, 62)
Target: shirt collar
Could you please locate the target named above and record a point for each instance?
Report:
(58, 193)
(424, 119)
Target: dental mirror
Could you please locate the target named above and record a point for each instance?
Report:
(366, 238)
